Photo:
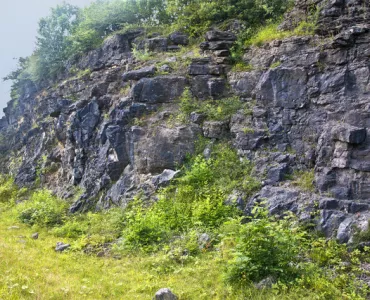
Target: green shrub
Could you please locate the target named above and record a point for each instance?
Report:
(275, 64)
(42, 209)
(268, 34)
(195, 17)
(145, 229)
(264, 247)
(107, 224)
(194, 200)
(8, 189)
(187, 102)
(73, 228)
(142, 55)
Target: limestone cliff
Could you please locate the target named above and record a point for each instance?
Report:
(108, 130)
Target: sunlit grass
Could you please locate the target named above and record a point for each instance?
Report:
(271, 32)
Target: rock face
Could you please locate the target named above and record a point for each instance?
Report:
(110, 132)
(160, 89)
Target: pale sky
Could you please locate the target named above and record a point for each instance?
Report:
(18, 29)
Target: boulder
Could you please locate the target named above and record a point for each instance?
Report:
(165, 178)
(217, 35)
(160, 148)
(165, 294)
(349, 134)
(206, 86)
(161, 89)
(216, 129)
(60, 247)
(283, 87)
(223, 45)
(157, 44)
(197, 118)
(178, 38)
(140, 73)
(165, 68)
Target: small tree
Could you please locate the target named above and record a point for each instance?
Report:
(52, 42)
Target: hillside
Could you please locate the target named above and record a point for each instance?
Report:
(230, 139)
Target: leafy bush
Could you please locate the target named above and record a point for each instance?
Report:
(194, 200)
(8, 190)
(264, 247)
(196, 16)
(145, 229)
(242, 67)
(42, 209)
(92, 229)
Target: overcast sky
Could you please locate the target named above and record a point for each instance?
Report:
(18, 29)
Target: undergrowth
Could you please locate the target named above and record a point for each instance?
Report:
(193, 226)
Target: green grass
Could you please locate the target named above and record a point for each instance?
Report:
(242, 67)
(271, 32)
(31, 269)
(305, 180)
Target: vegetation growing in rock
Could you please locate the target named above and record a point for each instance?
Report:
(213, 109)
(305, 180)
(271, 32)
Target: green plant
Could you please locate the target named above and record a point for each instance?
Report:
(101, 227)
(125, 91)
(145, 228)
(142, 55)
(264, 247)
(212, 109)
(242, 67)
(42, 209)
(83, 73)
(8, 189)
(305, 180)
(275, 64)
(271, 32)
(248, 130)
(194, 200)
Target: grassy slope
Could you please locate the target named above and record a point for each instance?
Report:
(31, 269)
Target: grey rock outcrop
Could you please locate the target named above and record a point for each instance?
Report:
(140, 73)
(160, 89)
(111, 130)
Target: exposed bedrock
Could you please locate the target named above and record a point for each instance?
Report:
(110, 131)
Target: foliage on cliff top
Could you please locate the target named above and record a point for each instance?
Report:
(69, 31)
